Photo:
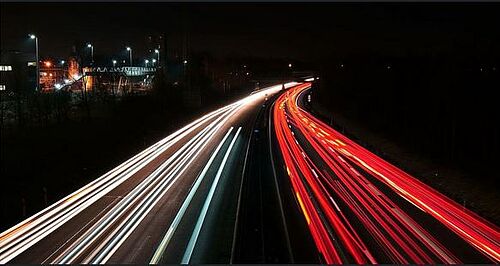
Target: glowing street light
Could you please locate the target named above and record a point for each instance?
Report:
(185, 62)
(157, 52)
(154, 61)
(146, 62)
(290, 65)
(33, 37)
(114, 63)
(62, 62)
(89, 45)
(130, 54)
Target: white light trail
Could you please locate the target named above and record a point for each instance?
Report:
(27, 233)
(196, 232)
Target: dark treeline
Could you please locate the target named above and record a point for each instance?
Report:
(443, 107)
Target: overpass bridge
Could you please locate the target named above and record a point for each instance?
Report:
(118, 80)
(124, 71)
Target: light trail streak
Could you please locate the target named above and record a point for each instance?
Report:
(197, 229)
(402, 238)
(171, 230)
(29, 232)
(143, 190)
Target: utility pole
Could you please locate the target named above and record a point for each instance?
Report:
(32, 36)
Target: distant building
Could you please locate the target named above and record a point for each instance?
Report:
(51, 74)
(17, 71)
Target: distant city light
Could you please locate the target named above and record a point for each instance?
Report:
(48, 63)
(157, 51)
(147, 61)
(317, 78)
(57, 86)
(185, 61)
(62, 62)
(5, 68)
(128, 48)
(32, 36)
(290, 65)
(66, 81)
(89, 45)
(154, 60)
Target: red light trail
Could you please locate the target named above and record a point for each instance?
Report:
(327, 200)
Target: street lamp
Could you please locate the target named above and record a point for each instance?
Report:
(157, 52)
(130, 54)
(62, 62)
(91, 52)
(290, 65)
(33, 37)
(154, 61)
(146, 62)
(114, 63)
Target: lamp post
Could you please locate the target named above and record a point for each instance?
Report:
(157, 52)
(154, 61)
(32, 36)
(114, 63)
(130, 54)
(146, 62)
(91, 52)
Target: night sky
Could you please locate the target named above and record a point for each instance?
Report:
(304, 31)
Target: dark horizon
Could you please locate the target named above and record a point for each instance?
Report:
(297, 31)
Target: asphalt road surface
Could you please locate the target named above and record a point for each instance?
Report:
(258, 181)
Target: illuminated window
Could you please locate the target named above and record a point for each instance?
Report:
(5, 68)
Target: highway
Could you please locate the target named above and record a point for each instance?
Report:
(360, 208)
(260, 180)
(175, 202)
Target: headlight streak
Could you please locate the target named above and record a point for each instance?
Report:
(119, 238)
(171, 230)
(173, 162)
(388, 224)
(203, 213)
(27, 233)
